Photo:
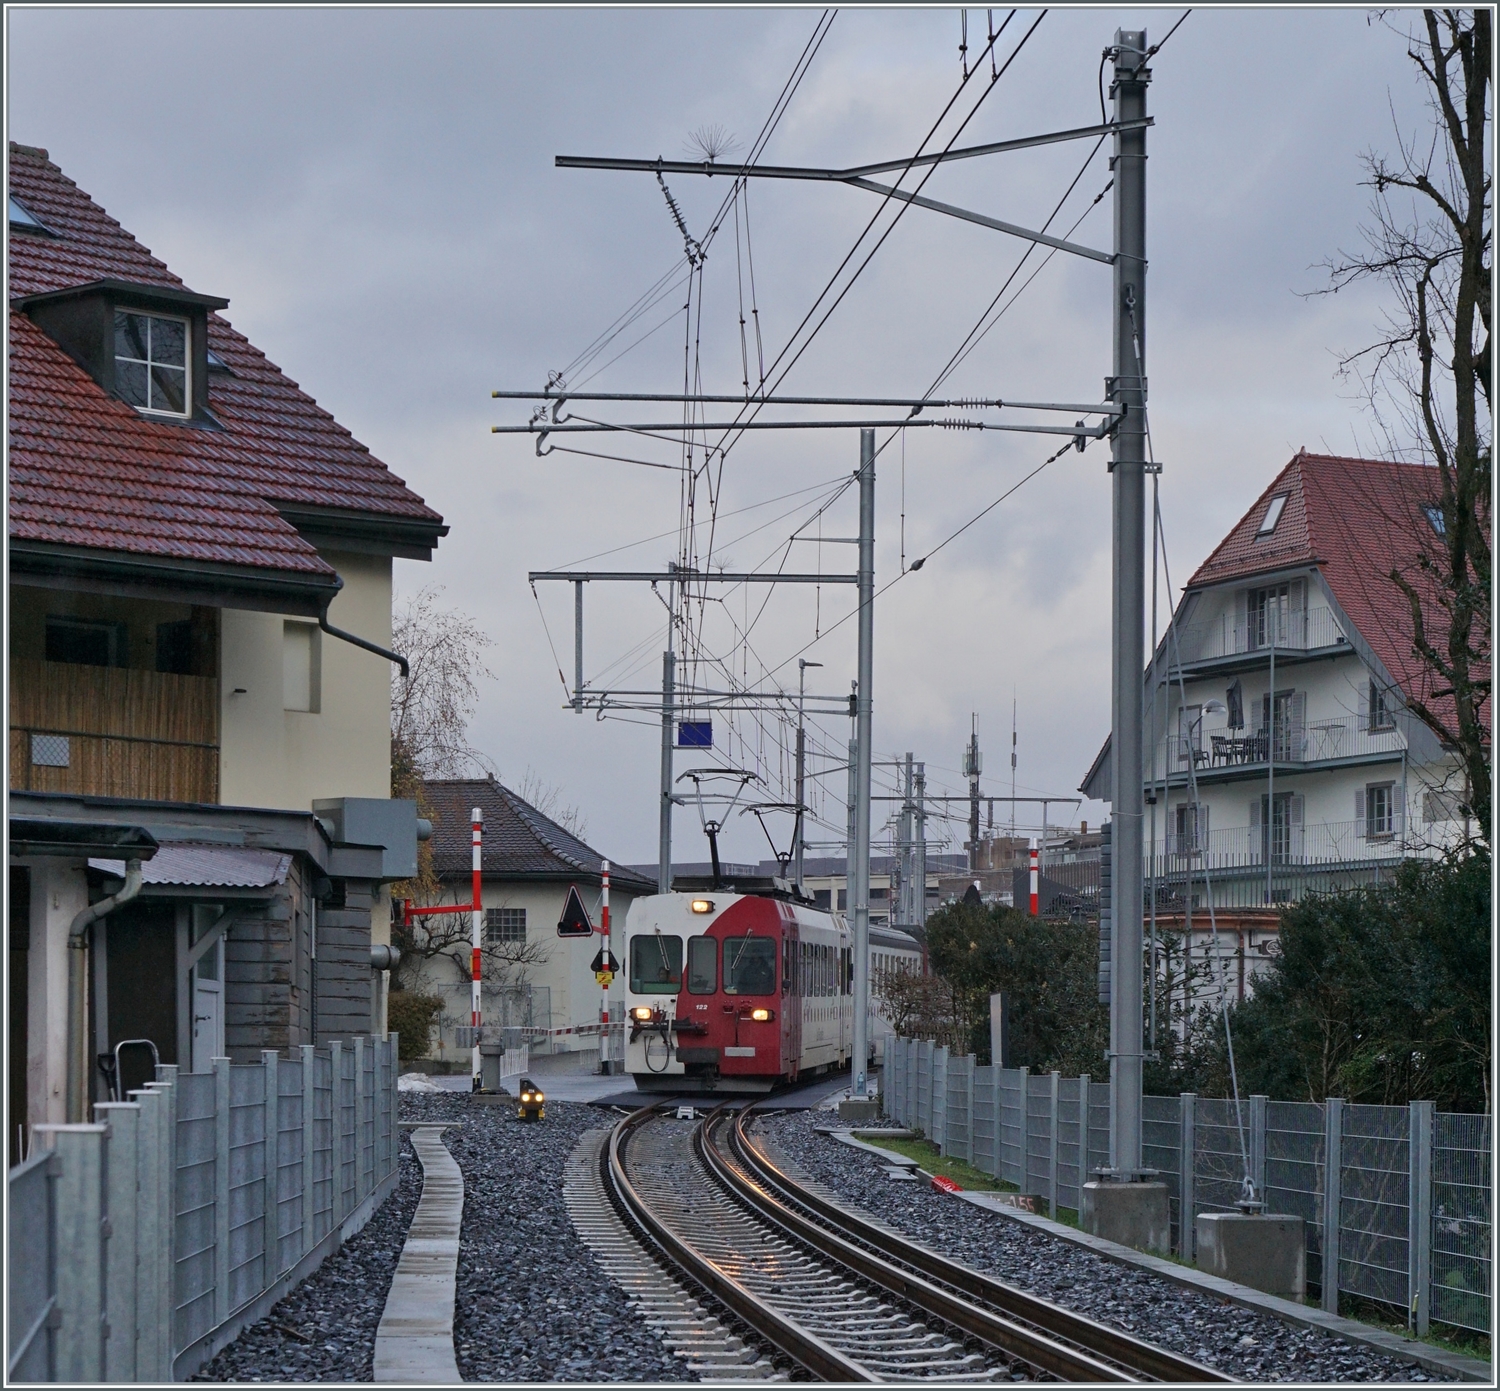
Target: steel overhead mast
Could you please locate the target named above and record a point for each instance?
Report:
(1123, 423)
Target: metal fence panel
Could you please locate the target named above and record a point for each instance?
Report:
(958, 1123)
(290, 1138)
(924, 1086)
(1038, 1132)
(1461, 1218)
(1373, 1244)
(193, 1255)
(984, 1155)
(31, 1269)
(1219, 1158)
(939, 1132)
(1011, 1117)
(1161, 1149)
(1294, 1150)
(1098, 1127)
(247, 1184)
(1068, 1168)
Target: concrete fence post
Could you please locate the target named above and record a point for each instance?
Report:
(335, 1134)
(81, 1234)
(221, 1189)
(1023, 1129)
(165, 1300)
(1187, 1162)
(153, 1252)
(123, 1122)
(1419, 1216)
(1054, 1086)
(1258, 1146)
(1333, 1198)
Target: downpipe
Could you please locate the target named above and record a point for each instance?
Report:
(78, 954)
(368, 646)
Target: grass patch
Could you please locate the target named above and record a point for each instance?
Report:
(1459, 1340)
(964, 1174)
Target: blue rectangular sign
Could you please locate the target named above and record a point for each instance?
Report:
(695, 734)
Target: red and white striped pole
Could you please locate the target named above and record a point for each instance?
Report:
(1035, 876)
(477, 818)
(604, 928)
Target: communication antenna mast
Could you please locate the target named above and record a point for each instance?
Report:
(1012, 762)
(973, 766)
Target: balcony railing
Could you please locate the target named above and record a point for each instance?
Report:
(1325, 843)
(113, 732)
(1220, 750)
(1299, 632)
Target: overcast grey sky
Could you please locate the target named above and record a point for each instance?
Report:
(374, 191)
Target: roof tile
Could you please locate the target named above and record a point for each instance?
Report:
(87, 470)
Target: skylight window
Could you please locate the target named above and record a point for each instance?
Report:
(1273, 515)
(21, 217)
(1435, 517)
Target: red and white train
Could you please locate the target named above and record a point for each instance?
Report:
(735, 992)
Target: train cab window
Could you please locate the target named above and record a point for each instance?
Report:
(655, 964)
(749, 966)
(703, 966)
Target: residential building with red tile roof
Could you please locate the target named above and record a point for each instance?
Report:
(200, 598)
(1282, 756)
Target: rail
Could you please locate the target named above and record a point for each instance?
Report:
(1017, 1327)
(1133, 1357)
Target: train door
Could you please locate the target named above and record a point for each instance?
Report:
(791, 1000)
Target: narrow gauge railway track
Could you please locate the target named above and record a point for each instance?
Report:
(825, 1289)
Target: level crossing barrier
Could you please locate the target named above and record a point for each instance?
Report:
(140, 1244)
(1396, 1200)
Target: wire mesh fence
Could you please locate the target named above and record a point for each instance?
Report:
(245, 1178)
(1048, 1135)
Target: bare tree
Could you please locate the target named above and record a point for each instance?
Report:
(548, 799)
(430, 711)
(1427, 377)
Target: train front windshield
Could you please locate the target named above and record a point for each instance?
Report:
(749, 966)
(655, 964)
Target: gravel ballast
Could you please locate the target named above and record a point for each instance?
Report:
(533, 1304)
(1247, 1345)
(324, 1330)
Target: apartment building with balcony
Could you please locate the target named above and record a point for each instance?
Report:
(1282, 757)
(200, 565)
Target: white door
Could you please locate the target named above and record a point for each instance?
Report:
(208, 1008)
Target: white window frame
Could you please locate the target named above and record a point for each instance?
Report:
(187, 361)
(1380, 828)
(1381, 717)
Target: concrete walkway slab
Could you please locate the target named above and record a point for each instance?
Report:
(414, 1343)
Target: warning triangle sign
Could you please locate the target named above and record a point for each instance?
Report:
(598, 964)
(575, 921)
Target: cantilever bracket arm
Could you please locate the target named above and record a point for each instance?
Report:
(857, 176)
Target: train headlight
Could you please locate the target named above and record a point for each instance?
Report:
(641, 1013)
(703, 905)
(761, 1015)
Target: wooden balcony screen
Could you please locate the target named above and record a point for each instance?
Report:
(130, 733)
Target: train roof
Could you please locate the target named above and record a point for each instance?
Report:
(752, 885)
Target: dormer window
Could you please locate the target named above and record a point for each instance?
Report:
(151, 357)
(1273, 515)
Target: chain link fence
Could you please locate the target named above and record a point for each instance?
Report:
(1395, 1200)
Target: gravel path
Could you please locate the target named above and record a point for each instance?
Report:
(1254, 1347)
(533, 1305)
(324, 1330)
